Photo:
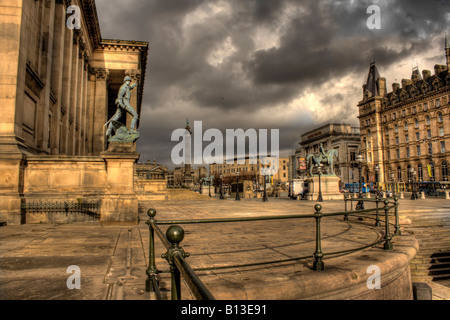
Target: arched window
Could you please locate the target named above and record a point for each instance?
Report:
(427, 120)
(399, 173)
(444, 169)
(420, 172)
(440, 117)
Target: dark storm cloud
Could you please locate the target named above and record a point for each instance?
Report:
(318, 42)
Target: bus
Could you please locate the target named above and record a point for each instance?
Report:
(354, 187)
(433, 188)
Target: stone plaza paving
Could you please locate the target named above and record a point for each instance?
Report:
(34, 258)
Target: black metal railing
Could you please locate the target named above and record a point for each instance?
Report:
(89, 208)
(175, 255)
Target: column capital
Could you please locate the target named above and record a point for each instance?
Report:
(134, 74)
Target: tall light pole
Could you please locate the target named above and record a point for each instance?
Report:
(359, 161)
(238, 198)
(413, 178)
(319, 171)
(393, 183)
(377, 171)
(209, 185)
(265, 199)
(221, 188)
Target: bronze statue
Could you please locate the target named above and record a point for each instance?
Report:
(123, 104)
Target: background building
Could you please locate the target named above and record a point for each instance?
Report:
(408, 127)
(248, 171)
(342, 137)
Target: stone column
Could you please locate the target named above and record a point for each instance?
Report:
(66, 91)
(42, 132)
(100, 111)
(120, 203)
(90, 111)
(74, 93)
(57, 75)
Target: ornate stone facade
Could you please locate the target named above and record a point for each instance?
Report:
(408, 127)
(57, 92)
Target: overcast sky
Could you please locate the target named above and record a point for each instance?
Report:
(291, 65)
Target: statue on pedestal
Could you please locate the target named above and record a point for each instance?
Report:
(122, 134)
(326, 158)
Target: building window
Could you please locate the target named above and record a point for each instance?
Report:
(441, 131)
(440, 117)
(417, 136)
(442, 146)
(420, 172)
(429, 133)
(397, 141)
(406, 125)
(414, 110)
(408, 154)
(427, 120)
(438, 103)
(419, 151)
(404, 113)
(394, 116)
(396, 128)
(398, 153)
(425, 107)
(399, 174)
(406, 138)
(416, 123)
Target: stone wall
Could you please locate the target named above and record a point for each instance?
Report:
(108, 179)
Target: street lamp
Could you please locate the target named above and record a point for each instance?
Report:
(209, 185)
(265, 199)
(319, 166)
(377, 170)
(221, 188)
(238, 198)
(359, 161)
(413, 178)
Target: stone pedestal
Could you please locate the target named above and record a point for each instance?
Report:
(120, 204)
(205, 191)
(329, 185)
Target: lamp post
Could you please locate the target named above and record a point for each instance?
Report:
(319, 171)
(393, 182)
(377, 170)
(413, 178)
(221, 188)
(359, 161)
(209, 186)
(265, 199)
(238, 198)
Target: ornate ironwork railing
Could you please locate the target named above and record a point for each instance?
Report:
(89, 208)
(176, 256)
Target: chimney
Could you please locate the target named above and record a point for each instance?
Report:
(395, 87)
(439, 68)
(405, 83)
(426, 74)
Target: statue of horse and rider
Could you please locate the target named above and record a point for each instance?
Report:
(326, 158)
